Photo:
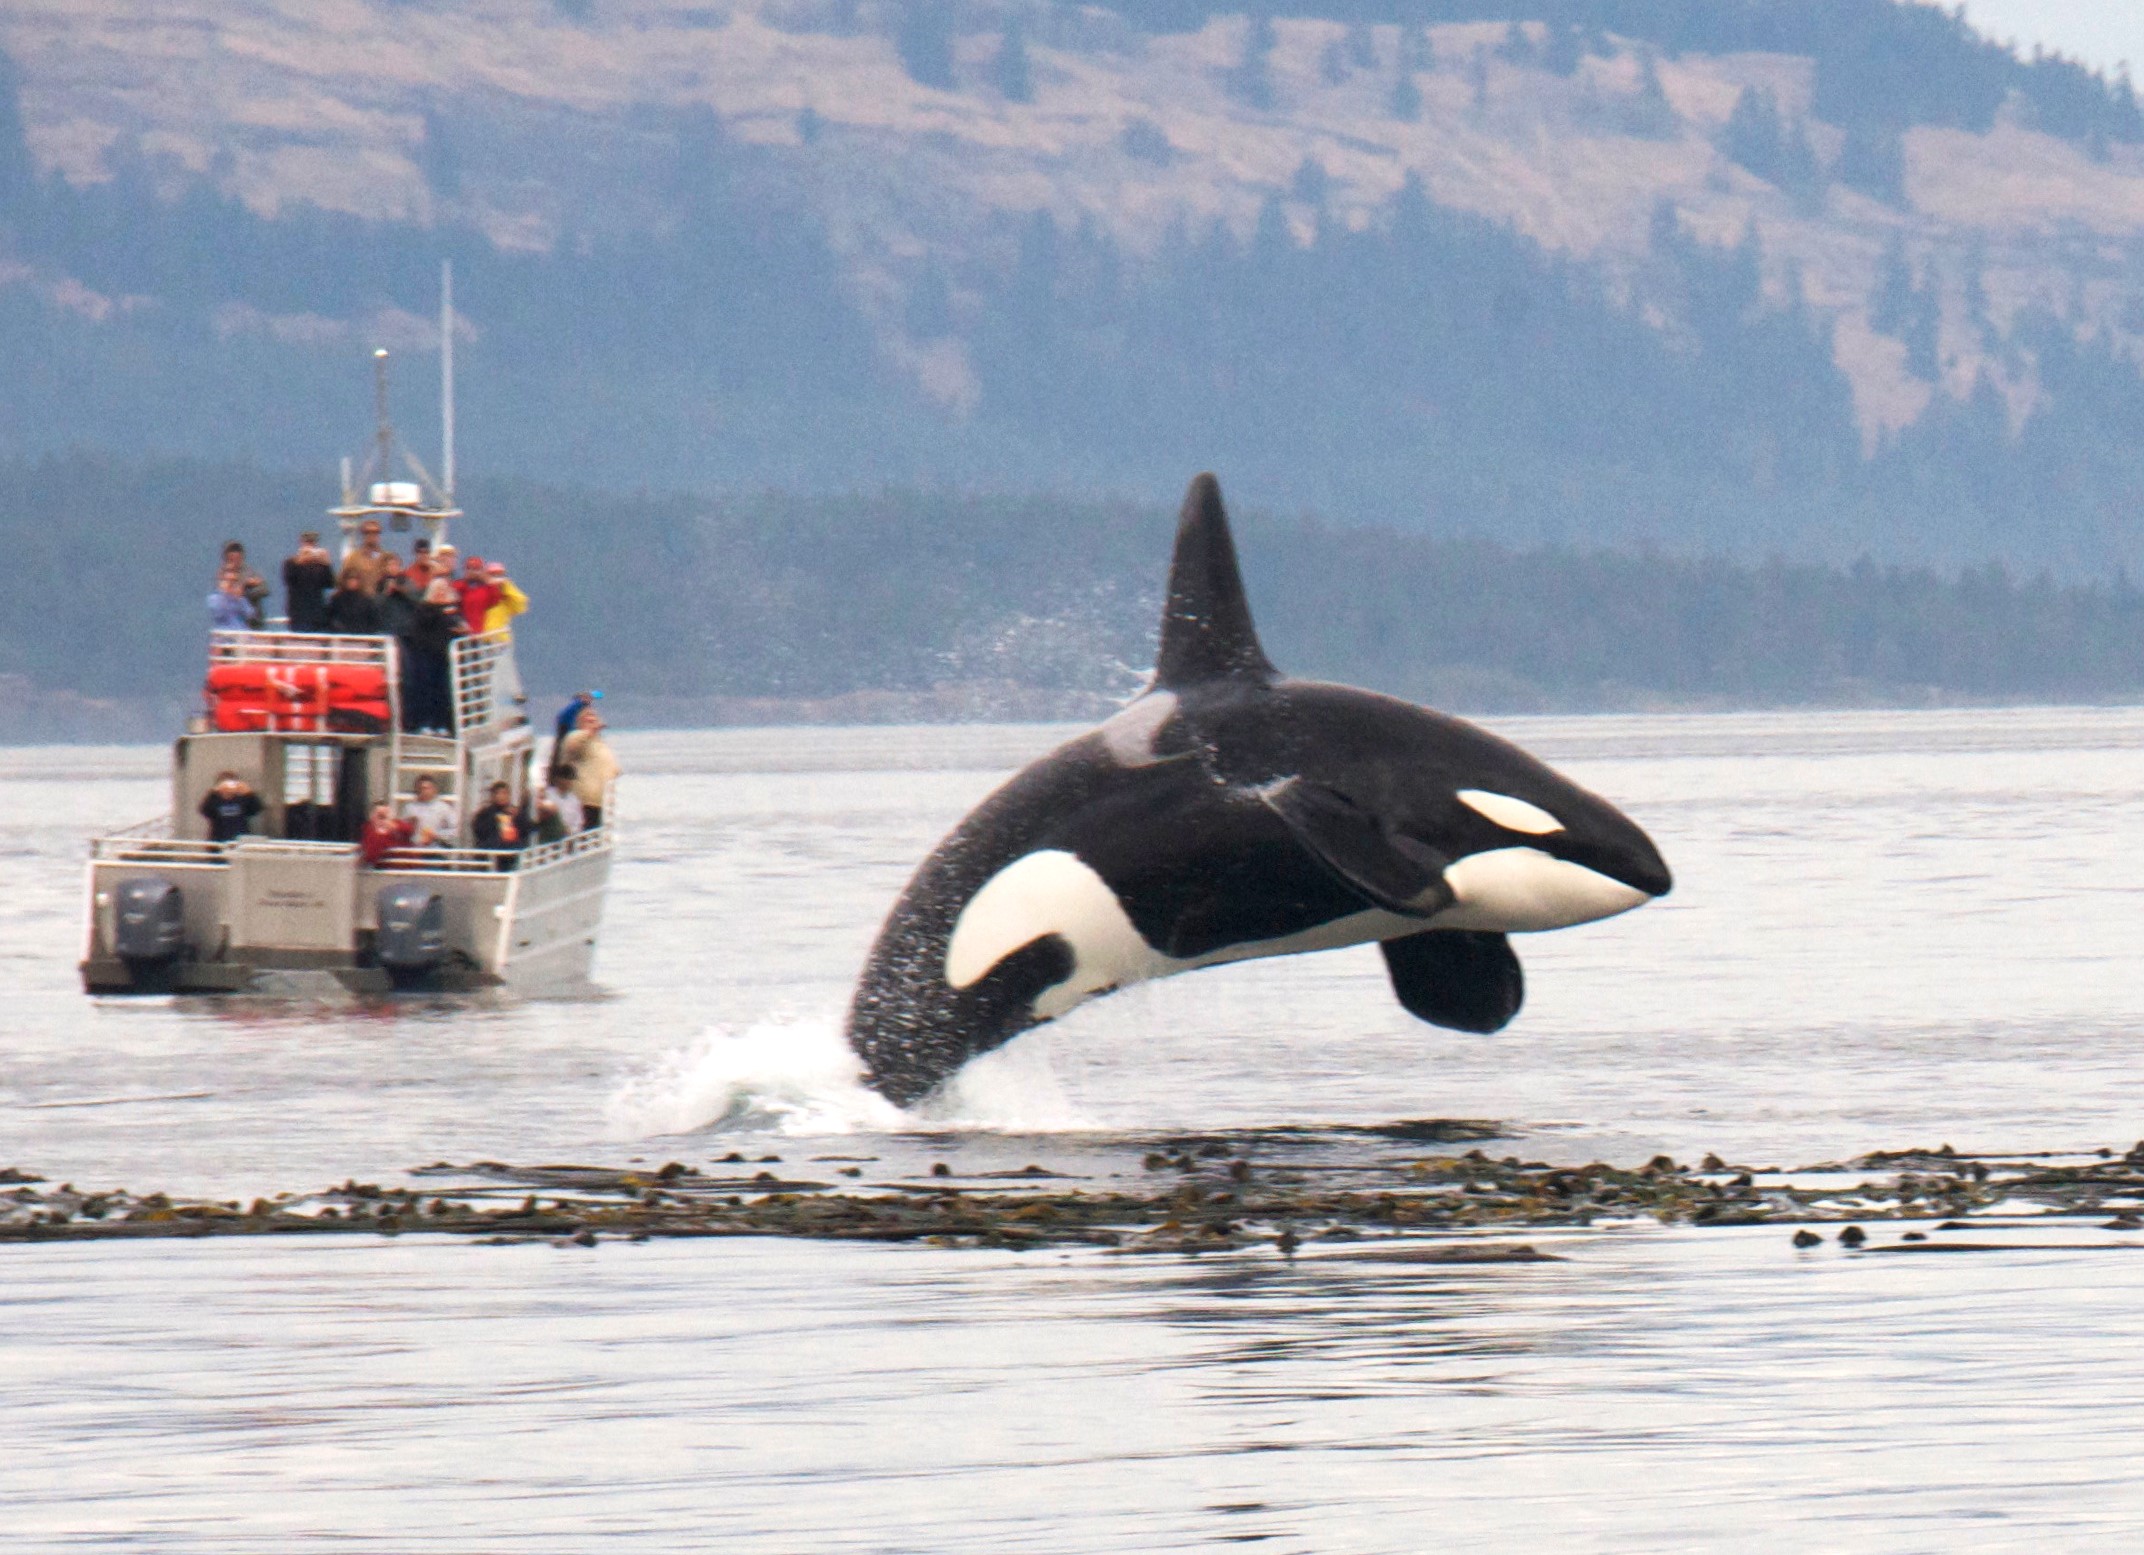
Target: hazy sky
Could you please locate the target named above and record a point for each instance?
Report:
(2102, 33)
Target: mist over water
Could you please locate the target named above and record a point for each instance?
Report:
(1887, 930)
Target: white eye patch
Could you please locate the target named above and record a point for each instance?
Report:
(1511, 814)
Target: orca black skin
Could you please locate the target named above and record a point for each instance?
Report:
(1230, 813)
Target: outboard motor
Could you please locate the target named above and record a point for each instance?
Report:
(412, 937)
(149, 922)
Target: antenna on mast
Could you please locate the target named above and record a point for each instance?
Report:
(446, 380)
(382, 454)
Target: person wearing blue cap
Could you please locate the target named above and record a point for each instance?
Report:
(569, 718)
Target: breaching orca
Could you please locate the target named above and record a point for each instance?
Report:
(1229, 813)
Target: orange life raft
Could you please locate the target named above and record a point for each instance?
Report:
(296, 698)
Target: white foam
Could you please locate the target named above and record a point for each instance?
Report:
(797, 1076)
(1013, 1090)
(789, 1076)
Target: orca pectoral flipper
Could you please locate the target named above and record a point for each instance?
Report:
(1393, 872)
(1463, 979)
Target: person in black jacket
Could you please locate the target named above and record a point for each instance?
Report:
(501, 825)
(398, 603)
(427, 701)
(229, 807)
(307, 577)
(352, 608)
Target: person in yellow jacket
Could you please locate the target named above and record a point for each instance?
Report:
(510, 601)
(594, 765)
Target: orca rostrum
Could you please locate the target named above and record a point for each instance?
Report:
(1228, 813)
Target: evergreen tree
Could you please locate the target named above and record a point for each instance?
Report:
(1873, 160)
(923, 37)
(1891, 303)
(1014, 76)
(1333, 64)
(1361, 46)
(18, 171)
(1565, 49)
(1649, 114)
(1752, 134)
(1251, 82)
(1405, 101)
(1145, 141)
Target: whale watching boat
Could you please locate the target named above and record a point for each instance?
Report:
(314, 723)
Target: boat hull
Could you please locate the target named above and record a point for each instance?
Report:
(269, 917)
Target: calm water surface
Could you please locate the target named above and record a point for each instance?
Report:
(1888, 930)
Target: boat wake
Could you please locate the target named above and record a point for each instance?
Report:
(797, 1076)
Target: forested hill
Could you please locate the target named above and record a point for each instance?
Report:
(908, 605)
(1821, 278)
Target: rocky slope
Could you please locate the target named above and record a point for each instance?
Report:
(919, 147)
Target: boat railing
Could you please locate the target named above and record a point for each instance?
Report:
(300, 648)
(151, 843)
(485, 861)
(485, 686)
(573, 845)
(155, 826)
(290, 847)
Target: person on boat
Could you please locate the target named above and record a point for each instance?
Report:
(229, 807)
(398, 605)
(352, 608)
(432, 819)
(419, 571)
(308, 576)
(569, 718)
(595, 768)
(507, 599)
(427, 695)
(250, 583)
(227, 607)
(558, 809)
(369, 558)
(501, 825)
(382, 834)
(477, 593)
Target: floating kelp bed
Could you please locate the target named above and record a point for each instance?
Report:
(1285, 1189)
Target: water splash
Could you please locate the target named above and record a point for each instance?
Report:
(798, 1076)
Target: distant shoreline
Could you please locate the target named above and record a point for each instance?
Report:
(40, 716)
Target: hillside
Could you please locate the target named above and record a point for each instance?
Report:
(1742, 275)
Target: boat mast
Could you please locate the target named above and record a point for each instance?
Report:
(446, 381)
(374, 493)
(386, 434)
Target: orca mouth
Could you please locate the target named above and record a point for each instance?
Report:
(1640, 868)
(1628, 858)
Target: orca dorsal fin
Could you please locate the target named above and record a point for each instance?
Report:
(1206, 630)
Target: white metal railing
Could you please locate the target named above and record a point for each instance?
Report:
(159, 850)
(572, 845)
(300, 648)
(148, 842)
(155, 826)
(484, 861)
(446, 861)
(138, 844)
(290, 847)
(483, 676)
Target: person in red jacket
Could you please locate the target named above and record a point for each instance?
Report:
(478, 594)
(382, 834)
